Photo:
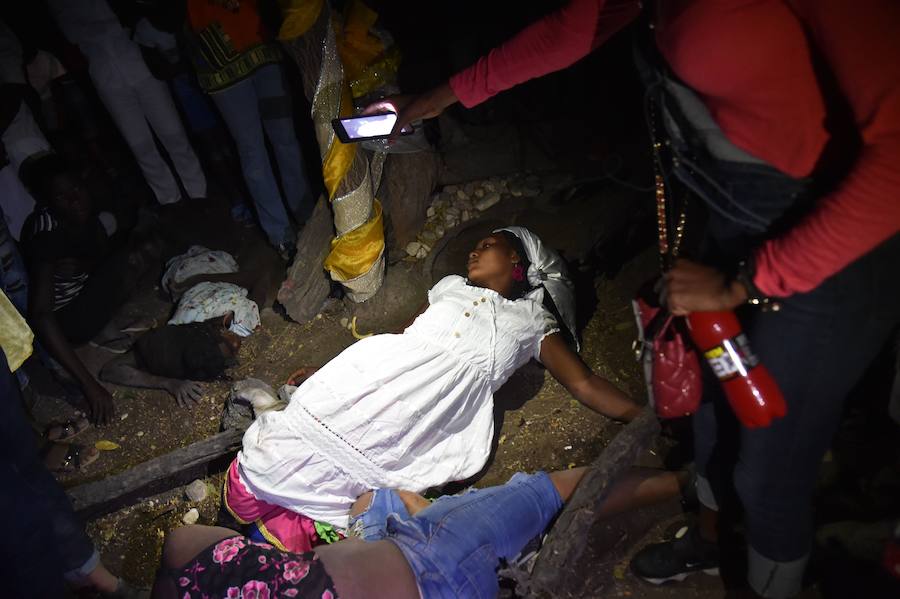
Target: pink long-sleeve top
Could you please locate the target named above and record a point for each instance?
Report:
(750, 62)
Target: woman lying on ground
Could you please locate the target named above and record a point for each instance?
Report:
(414, 410)
(409, 548)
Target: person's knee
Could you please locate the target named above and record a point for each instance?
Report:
(175, 553)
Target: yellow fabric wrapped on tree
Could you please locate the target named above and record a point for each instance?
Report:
(299, 16)
(16, 337)
(354, 254)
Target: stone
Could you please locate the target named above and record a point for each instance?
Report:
(479, 193)
(450, 221)
(462, 195)
(430, 212)
(423, 251)
(191, 517)
(452, 211)
(412, 248)
(439, 231)
(196, 491)
(487, 201)
(429, 236)
(465, 216)
(345, 322)
(531, 192)
(451, 189)
(489, 186)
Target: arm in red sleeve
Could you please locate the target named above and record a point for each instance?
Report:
(860, 44)
(555, 42)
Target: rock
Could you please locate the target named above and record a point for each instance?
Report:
(345, 322)
(439, 231)
(462, 195)
(487, 201)
(191, 517)
(423, 251)
(479, 193)
(430, 212)
(531, 192)
(516, 193)
(451, 211)
(429, 236)
(465, 216)
(451, 189)
(450, 221)
(489, 186)
(412, 248)
(196, 491)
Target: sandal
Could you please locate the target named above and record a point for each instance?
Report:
(66, 431)
(76, 457)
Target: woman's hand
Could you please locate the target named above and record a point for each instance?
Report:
(301, 375)
(410, 108)
(691, 287)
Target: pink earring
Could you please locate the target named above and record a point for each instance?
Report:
(518, 272)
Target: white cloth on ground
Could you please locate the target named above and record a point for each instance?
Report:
(408, 411)
(198, 260)
(212, 300)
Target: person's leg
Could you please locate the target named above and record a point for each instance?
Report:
(47, 541)
(180, 547)
(158, 107)
(277, 117)
(816, 347)
(124, 107)
(239, 107)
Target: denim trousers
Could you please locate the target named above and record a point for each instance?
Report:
(455, 545)
(817, 346)
(261, 102)
(44, 542)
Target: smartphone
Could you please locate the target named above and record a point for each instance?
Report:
(369, 126)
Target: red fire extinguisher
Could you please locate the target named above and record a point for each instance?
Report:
(752, 392)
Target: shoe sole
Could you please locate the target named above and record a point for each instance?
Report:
(680, 576)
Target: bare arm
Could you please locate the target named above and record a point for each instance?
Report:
(49, 332)
(593, 391)
(123, 371)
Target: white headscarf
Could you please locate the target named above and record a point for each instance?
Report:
(548, 272)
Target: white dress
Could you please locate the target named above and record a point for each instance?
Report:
(408, 411)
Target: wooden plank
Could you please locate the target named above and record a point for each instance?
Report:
(565, 544)
(175, 468)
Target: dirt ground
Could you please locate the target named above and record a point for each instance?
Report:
(538, 424)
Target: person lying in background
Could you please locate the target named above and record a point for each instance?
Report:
(403, 547)
(415, 410)
(175, 358)
(78, 278)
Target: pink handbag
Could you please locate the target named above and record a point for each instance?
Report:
(671, 366)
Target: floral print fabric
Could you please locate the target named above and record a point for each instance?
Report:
(238, 568)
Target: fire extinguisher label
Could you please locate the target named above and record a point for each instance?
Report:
(732, 358)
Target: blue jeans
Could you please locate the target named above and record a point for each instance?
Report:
(43, 541)
(249, 106)
(454, 545)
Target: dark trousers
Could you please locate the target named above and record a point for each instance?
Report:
(42, 538)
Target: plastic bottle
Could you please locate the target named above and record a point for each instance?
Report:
(752, 392)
